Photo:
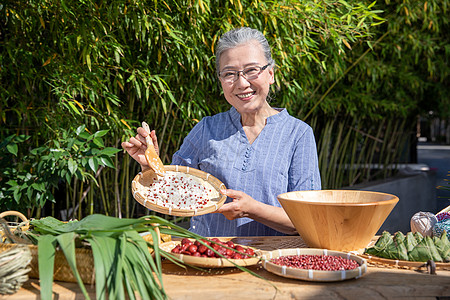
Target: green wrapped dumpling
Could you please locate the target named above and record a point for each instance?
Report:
(425, 250)
(396, 249)
(410, 242)
(443, 246)
(418, 236)
(380, 245)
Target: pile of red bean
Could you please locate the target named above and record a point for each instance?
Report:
(188, 247)
(316, 262)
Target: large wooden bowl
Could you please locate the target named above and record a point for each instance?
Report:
(341, 220)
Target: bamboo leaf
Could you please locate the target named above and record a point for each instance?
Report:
(103, 249)
(109, 151)
(46, 261)
(88, 61)
(67, 243)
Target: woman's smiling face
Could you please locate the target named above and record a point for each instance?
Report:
(246, 96)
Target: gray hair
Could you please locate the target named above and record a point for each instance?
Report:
(239, 36)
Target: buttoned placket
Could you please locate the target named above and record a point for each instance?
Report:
(246, 160)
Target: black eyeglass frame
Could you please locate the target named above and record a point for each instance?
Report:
(242, 71)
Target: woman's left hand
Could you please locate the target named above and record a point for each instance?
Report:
(239, 207)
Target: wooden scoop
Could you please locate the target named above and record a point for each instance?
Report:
(153, 159)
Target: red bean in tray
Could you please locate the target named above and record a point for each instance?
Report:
(316, 262)
(196, 248)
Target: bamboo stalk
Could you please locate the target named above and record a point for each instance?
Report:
(91, 202)
(117, 193)
(73, 198)
(373, 147)
(102, 194)
(339, 180)
(67, 202)
(335, 154)
(80, 199)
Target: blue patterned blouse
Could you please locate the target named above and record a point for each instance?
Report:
(282, 158)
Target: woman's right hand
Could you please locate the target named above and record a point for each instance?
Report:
(137, 145)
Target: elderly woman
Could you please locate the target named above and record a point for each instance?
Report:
(256, 150)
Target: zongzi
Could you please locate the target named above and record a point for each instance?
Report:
(443, 246)
(424, 251)
(381, 244)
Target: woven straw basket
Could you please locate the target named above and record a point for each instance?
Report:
(62, 270)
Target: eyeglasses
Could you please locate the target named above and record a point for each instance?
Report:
(250, 73)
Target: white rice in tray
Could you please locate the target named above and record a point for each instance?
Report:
(177, 190)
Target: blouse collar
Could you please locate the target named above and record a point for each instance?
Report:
(236, 116)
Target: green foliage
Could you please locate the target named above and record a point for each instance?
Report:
(30, 176)
(404, 72)
(123, 263)
(346, 67)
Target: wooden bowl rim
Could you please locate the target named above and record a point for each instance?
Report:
(391, 201)
(216, 183)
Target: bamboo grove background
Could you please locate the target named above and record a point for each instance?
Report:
(78, 77)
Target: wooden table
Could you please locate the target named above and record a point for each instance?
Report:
(231, 283)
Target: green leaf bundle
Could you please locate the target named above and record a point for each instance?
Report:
(124, 267)
(424, 251)
(443, 246)
(380, 245)
(411, 241)
(412, 247)
(123, 264)
(397, 249)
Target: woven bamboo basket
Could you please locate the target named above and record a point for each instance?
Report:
(62, 270)
(13, 225)
(144, 179)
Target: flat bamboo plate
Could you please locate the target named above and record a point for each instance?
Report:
(313, 275)
(209, 262)
(402, 264)
(144, 179)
